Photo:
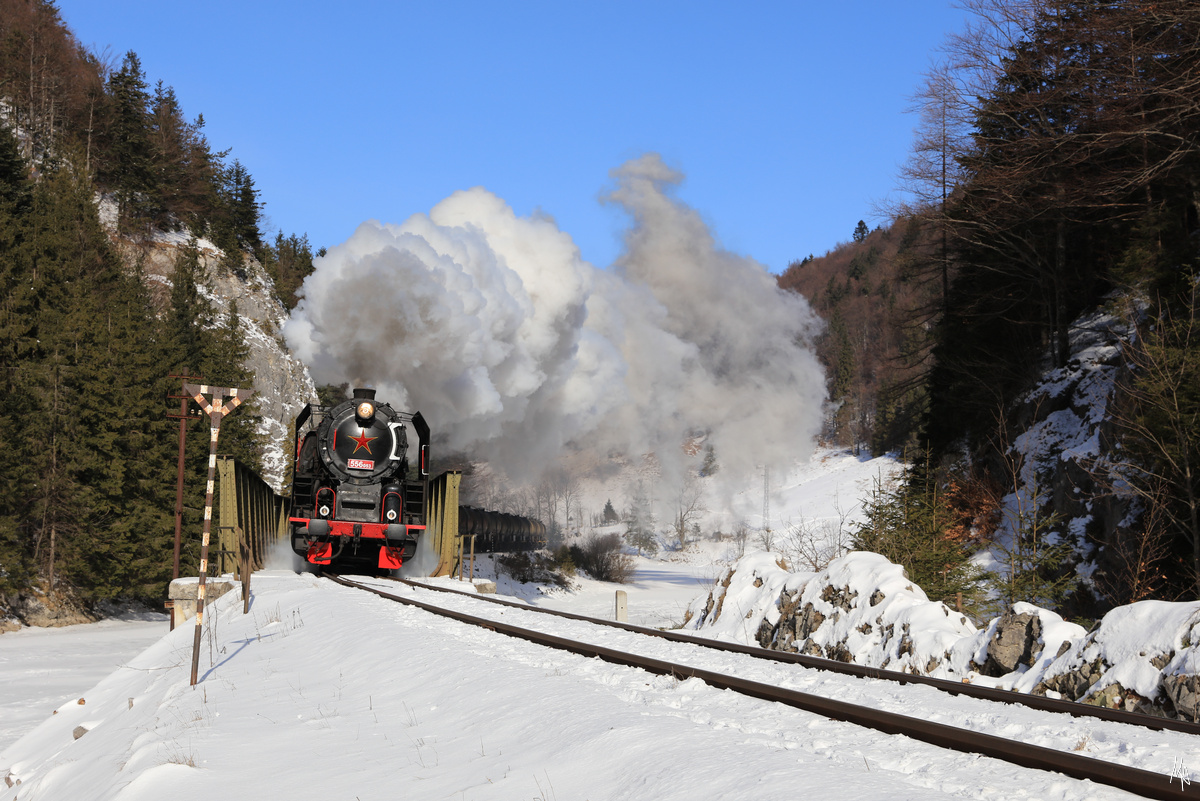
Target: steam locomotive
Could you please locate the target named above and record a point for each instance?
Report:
(356, 500)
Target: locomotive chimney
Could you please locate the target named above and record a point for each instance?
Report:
(365, 393)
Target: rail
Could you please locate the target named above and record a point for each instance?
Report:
(1141, 782)
(1039, 702)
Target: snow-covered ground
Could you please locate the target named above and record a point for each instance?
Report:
(325, 692)
(41, 669)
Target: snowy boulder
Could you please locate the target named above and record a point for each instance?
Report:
(1015, 649)
(1143, 657)
(37, 607)
(742, 600)
(1017, 641)
(860, 609)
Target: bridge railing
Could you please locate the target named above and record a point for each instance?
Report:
(453, 530)
(248, 511)
(442, 521)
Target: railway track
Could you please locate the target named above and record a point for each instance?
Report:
(1042, 703)
(1149, 784)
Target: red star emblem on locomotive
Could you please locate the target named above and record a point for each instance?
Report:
(363, 441)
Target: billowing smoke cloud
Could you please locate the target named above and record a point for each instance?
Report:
(515, 348)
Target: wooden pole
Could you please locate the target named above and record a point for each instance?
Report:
(244, 547)
(183, 421)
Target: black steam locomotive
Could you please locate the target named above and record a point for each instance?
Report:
(356, 500)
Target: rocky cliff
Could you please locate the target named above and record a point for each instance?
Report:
(283, 385)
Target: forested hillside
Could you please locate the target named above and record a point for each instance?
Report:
(1056, 169)
(875, 291)
(1055, 172)
(85, 351)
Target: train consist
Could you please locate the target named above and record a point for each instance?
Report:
(357, 501)
(496, 531)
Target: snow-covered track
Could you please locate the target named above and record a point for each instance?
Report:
(1148, 784)
(1039, 702)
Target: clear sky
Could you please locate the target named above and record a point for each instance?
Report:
(786, 117)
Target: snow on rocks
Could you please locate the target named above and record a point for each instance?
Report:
(862, 609)
(1014, 648)
(1142, 657)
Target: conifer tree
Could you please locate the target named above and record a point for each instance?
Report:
(908, 524)
(57, 265)
(14, 173)
(128, 160)
(224, 365)
(145, 441)
(639, 524)
(289, 262)
(15, 336)
(610, 514)
(236, 230)
(189, 313)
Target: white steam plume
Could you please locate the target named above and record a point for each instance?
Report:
(514, 348)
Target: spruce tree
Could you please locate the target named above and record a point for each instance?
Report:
(14, 173)
(189, 313)
(288, 262)
(16, 333)
(58, 272)
(128, 162)
(610, 514)
(224, 364)
(908, 524)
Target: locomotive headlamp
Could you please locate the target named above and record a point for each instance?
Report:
(366, 410)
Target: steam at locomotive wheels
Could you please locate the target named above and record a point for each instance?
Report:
(357, 502)
(355, 499)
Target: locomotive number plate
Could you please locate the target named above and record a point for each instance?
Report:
(360, 464)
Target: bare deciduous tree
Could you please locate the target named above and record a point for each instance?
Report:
(813, 544)
(689, 505)
(1160, 417)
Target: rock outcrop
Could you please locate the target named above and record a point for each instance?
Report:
(282, 384)
(38, 606)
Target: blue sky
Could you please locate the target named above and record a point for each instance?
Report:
(786, 118)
